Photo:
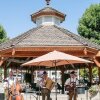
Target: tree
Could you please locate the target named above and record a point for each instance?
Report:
(95, 72)
(89, 23)
(84, 73)
(3, 34)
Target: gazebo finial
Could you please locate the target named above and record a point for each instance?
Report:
(48, 2)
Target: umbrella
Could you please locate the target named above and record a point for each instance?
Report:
(53, 59)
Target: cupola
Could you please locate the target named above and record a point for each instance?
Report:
(48, 16)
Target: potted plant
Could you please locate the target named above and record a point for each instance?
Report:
(93, 90)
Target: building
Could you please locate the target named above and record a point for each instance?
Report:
(46, 37)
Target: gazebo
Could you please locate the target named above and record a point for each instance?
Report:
(46, 37)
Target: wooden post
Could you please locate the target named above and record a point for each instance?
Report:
(21, 76)
(32, 76)
(6, 64)
(99, 74)
(62, 79)
(90, 72)
(5, 71)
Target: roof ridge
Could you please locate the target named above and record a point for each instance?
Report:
(19, 37)
(87, 41)
(69, 33)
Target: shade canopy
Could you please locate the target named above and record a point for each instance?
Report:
(55, 58)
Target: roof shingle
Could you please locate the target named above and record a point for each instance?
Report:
(48, 36)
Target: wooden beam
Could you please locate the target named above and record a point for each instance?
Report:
(98, 54)
(1, 62)
(96, 61)
(46, 48)
(50, 48)
(13, 52)
(16, 61)
(6, 51)
(92, 50)
(39, 53)
(85, 51)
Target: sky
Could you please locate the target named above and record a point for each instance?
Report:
(15, 14)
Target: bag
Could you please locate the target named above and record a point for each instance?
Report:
(69, 88)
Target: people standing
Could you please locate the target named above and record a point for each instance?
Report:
(70, 86)
(8, 82)
(48, 85)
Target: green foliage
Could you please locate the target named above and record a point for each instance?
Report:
(85, 72)
(95, 72)
(93, 90)
(89, 24)
(3, 34)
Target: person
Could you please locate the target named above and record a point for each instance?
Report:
(40, 79)
(47, 86)
(16, 91)
(8, 82)
(70, 86)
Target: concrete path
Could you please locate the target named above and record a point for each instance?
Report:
(33, 96)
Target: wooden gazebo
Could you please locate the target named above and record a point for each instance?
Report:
(46, 37)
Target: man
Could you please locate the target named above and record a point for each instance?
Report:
(48, 85)
(70, 86)
(9, 81)
(40, 79)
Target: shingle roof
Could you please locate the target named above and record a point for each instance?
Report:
(48, 36)
(47, 11)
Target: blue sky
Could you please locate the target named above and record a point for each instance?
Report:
(15, 14)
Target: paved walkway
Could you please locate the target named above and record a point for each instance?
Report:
(32, 96)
